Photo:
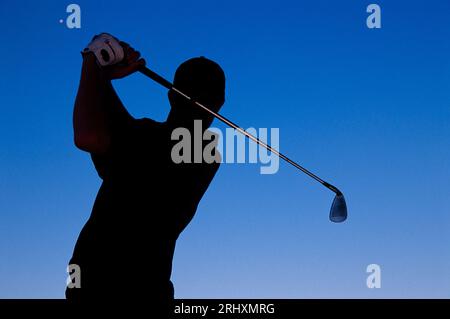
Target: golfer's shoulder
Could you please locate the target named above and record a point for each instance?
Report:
(213, 167)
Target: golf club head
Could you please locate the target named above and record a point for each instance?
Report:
(338, 211)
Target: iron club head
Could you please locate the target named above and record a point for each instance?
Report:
(338, 211)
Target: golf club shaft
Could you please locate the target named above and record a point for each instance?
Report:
(159, 79)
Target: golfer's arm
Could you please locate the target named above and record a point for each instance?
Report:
(97, 108)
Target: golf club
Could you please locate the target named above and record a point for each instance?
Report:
(338, 211)
(108, 51)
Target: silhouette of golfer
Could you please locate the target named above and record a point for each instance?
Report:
(125, 249)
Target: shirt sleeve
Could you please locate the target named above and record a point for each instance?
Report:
(126, 140)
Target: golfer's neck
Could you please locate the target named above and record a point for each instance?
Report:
(179, 120)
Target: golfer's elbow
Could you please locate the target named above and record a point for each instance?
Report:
(91, 142)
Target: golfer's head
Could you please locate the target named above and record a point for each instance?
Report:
(204, 81)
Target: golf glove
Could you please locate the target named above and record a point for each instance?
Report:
(106, 49)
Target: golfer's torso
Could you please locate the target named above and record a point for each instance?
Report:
(145, 197)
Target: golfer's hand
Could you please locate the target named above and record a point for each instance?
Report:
(131, 63)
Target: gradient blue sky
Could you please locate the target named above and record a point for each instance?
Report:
(367, 110)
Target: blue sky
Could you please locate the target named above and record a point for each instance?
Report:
(367, 110)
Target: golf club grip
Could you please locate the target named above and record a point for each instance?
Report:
(156, 77)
